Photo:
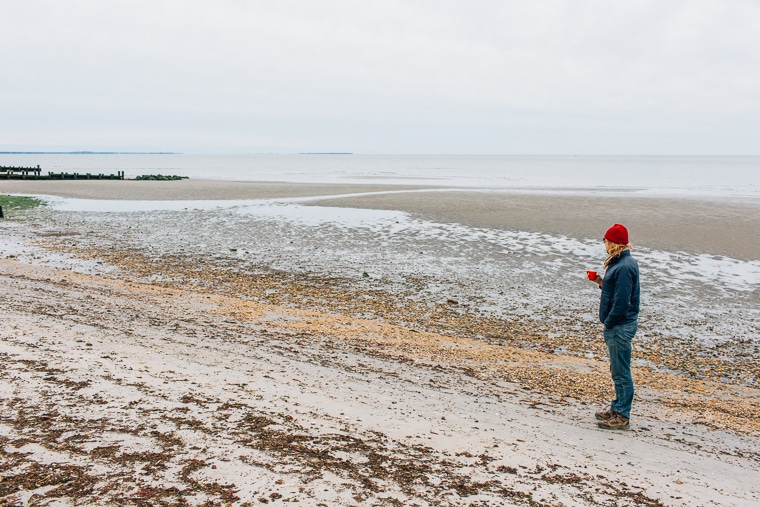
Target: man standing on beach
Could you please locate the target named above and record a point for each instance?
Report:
(619, 312)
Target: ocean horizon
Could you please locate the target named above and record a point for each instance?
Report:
(735, 177)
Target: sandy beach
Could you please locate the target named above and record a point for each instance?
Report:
(184, 189)
(169, 381)
(718, 227)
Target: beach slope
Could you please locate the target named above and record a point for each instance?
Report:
(115, 392)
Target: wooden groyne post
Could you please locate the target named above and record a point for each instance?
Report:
(23, 173)
(20, 172)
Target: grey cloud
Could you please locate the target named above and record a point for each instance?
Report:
(484, 76)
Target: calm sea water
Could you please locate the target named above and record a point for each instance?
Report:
(737, 177)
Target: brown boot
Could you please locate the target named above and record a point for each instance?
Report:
(604, 415)
(616, 422)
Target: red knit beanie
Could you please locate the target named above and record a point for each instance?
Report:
(617, 234)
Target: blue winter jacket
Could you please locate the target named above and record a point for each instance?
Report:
(620, 292)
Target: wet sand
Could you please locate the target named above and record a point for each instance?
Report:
(184, 189)
(712, 227)
(716, 227)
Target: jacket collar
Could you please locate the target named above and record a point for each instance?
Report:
(624, 253)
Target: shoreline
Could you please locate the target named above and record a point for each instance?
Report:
(189, 190)
(714, 227)
(669, 224)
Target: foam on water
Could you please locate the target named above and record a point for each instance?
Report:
(127, 206)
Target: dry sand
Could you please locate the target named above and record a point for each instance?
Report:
(115, 392)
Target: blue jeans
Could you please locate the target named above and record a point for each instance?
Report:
(618, 340)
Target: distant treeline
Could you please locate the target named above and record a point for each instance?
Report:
(88, 153)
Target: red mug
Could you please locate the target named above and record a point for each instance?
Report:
(591, 274)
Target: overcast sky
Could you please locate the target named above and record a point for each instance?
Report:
(391, 76)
